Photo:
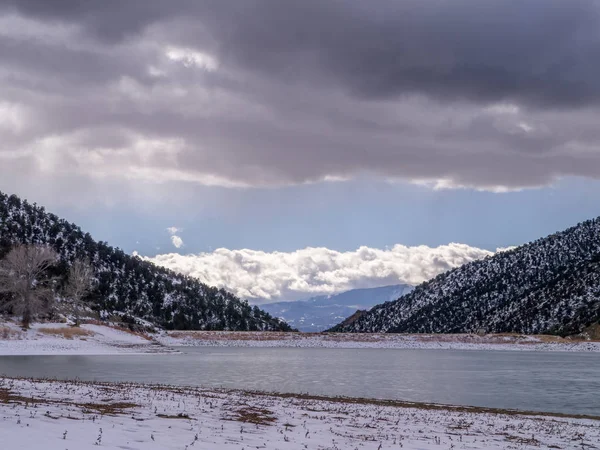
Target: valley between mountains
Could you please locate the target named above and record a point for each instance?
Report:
(548, 288)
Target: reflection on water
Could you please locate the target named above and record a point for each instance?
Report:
(542, 381)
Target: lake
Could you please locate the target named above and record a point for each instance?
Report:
(538, 381)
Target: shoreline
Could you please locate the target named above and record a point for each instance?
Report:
(501, 342)
(137, 416)
(106, 339)
(338, 399)
(55, 339)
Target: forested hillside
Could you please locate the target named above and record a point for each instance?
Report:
(126, 285)
(551, 285)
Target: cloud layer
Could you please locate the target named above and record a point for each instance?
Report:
(262, 276)
(495, 95)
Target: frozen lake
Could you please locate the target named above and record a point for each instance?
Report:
(537, 381)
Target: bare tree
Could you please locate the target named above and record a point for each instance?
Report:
(23, 275)
(81, 276)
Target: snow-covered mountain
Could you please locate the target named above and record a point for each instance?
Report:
(551, 285)
(323, 312)
(128, 286)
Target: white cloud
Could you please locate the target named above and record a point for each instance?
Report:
(174, 230)
(192, 58)
(177, 241)
(526, 127)
(311, 271)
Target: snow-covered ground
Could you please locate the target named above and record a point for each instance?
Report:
(89, 339)
(392, 341)
(61, 339)
(79, 416)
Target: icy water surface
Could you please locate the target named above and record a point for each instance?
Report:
(537, 381)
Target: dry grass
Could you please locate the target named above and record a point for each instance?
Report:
(236, 335)
(251, 414)
(592, 332)
(112, 409)
(174, 416)
(67, 332)
(501, 338)
(8, 333)
(243, 409)
(417, 405)
(7, 397)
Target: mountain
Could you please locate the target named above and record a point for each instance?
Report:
(126, 285)
(551, 285)
(323, 312)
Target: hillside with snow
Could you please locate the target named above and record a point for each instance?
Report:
(551, 286)
(127, 286)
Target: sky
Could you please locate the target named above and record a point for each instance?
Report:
(285, 149)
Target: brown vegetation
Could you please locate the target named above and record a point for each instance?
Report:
(592, 332)
(7, 396)
(250, 414)
(8, 333)
(107, 409)
(504, 338)
(66, 332)
(173, 416)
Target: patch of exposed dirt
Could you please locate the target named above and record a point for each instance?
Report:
(174, 416)
(250, 414)
(107, 409)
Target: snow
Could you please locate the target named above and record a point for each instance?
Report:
(104, 339)
(374, 340)
(94, 340)
(76, 415)
(114, 336)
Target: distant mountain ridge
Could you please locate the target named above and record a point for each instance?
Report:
(324, 311)
(127, 285)
(551, 285)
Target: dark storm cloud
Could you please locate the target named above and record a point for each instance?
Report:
(534, 51)
(494, 94)
(111, 20)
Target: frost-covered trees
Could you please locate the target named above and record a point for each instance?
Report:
(79, 285)
(25, 282)
(551, 285)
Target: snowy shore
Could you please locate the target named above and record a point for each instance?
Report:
(76, 415)
(389, 341)
(95, 339)
(61, 339)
